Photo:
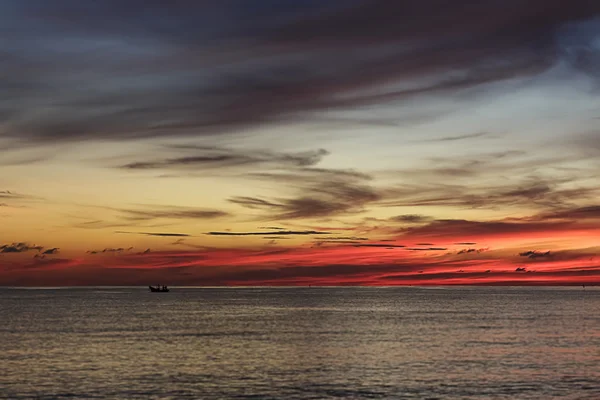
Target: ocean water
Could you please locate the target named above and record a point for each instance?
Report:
(300, 343)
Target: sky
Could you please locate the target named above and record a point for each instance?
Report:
(296, 142)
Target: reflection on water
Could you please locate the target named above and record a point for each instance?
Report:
(287, 343)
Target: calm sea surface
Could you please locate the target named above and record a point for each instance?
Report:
(300, 343)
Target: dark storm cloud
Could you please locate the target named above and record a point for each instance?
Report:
(156, 234)
(116, 69)
(280, 233)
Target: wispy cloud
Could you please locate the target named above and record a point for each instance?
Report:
(167, 234)
(280, 233)
(205, 157)
(458, 137)
(110, 250)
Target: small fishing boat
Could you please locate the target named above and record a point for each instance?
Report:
(158, 288)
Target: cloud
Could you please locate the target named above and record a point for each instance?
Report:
(531, 192)
(219, 158)
(20, 247)
(53, 250)
(110, 250)
(384, 245)
(452, 228)
(156, 234)
(533, 254)
(7, 194)
(318, 193)
(459, 137)
(468, 251)
(591, 212)
(280, 233)
(187, 213)
(257, 65)
(339, 238)
(426, 248)
(411, 218)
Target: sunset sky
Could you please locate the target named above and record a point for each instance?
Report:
(287, 142)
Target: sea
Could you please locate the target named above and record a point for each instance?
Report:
(300, 343)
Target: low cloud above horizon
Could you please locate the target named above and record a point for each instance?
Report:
(362, 142)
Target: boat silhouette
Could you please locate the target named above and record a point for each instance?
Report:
(158, 288)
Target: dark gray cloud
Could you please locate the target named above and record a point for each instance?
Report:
(426, 248)
(354, 238)
(385, 245)
(53, 250)
(458, 137)
(461, 227)
(411, 218)
(187, 213)
(533, 254)
(205, 157)
(156, 234)
(148, 217)
(471, 250)
(110, 250)
(138, 69)
(280, 233)
(533, 192)
(317, 193)
(591, 212)
(19, 247)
